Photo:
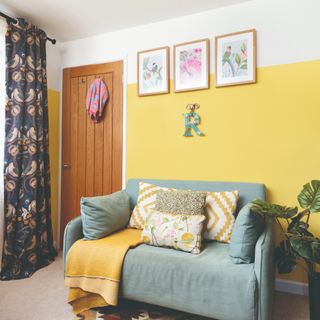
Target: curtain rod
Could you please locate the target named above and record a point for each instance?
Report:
(14, 21)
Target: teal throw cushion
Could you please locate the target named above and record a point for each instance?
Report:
(104, 215)
(246, 231)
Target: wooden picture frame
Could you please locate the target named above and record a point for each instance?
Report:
(235, 58)
(153, 71)
(192, 75)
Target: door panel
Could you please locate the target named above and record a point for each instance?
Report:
(117, 133)
(108, 140)
(72, 164)
(82, 133)
(91, 152)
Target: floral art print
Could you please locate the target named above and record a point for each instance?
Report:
(191, 66)
(235, 58)
(153, 71)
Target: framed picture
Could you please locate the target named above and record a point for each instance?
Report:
(191, 65)
(153, 71)
(235, 58)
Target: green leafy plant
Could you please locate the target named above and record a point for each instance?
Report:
(299, 242)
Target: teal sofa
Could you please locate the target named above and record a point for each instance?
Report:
(208, 284)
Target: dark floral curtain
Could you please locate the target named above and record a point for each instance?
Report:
(28, 243)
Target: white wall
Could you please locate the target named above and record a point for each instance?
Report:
(53, 65)
(288, 31)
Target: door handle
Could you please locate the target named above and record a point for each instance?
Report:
(66, 166)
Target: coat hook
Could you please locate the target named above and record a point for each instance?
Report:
(83, 81)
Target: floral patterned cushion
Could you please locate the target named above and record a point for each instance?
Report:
(181, 201)
(178, 231)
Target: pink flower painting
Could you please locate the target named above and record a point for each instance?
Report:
(190, 65)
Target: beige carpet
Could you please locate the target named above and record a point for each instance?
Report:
(43, 297)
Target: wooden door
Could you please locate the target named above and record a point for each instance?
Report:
(91, 152)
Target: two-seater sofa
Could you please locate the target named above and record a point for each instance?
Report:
(208, 284)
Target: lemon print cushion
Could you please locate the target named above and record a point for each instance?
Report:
(178, 231)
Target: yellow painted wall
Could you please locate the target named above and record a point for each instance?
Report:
(54, 132)
(267, 132)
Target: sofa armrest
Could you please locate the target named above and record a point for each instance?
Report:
(72, 233)
(264, 271)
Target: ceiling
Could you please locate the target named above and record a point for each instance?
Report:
(74, 19)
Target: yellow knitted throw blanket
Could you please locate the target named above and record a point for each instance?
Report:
(93, 269)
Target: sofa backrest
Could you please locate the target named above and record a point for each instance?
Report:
(248, 191)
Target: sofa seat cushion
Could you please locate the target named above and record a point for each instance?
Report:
(208, 284)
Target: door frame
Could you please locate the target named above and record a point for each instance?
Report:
(124, 60)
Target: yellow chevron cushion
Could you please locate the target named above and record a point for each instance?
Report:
(146, 201)
(220, 207)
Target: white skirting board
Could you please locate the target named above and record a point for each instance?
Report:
(292, 287)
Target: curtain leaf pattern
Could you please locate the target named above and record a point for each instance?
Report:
(28, 243)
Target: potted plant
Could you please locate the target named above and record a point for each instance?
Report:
(298, 243)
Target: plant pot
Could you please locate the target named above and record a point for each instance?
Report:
(314, 295)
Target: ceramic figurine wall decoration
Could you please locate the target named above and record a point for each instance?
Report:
(192, 120)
